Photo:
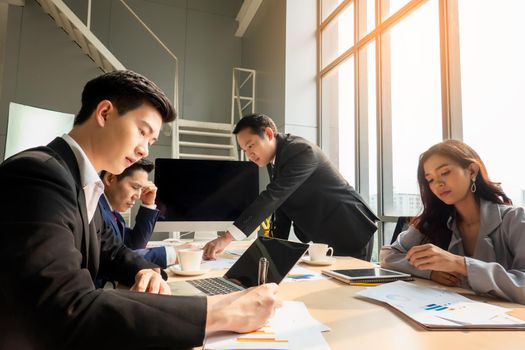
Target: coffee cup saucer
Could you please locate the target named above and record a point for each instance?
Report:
(177, 270)
(325, 262)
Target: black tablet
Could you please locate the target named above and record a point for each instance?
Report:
(370, 275)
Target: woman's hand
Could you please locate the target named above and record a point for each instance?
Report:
(431, 257)
(448, 279)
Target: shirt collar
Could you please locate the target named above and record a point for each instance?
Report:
(107, 201)
(88, 174)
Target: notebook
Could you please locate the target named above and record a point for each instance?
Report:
(282, 255)
(370, 275)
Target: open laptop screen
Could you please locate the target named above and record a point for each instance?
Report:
(282, 255)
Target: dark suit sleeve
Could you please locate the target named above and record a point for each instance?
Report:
(118, 262)
(48, 291)
(281, 225)
(140, 234)
(296, 164)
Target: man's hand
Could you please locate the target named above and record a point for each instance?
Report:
(431, 257)
(448, 279)
(212, 248)
(150, 281)
(242, 311)
(149, 193)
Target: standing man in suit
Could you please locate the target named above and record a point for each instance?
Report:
(305, 189)
(53, 250)
(120, 193)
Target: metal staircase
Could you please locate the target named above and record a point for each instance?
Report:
(81, 34)
(243, 93)
(204, 140)
(190, 139)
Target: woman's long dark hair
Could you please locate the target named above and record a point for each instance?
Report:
(432, 222)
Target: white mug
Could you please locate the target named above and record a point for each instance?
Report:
(190, 259)
(317, 251)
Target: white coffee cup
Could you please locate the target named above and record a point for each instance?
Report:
(318, 251)
(190, 259)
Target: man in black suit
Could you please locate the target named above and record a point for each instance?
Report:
(305, 188)
(55, 242)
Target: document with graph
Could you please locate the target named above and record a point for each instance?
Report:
(441, 309)
(292, 327)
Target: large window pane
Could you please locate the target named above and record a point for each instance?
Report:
(328, 6)
(389, 7)
(492, 88)
(367, 17)
(415, 101)
(338, 129)
(338, 36)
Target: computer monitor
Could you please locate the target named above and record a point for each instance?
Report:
(203, 195)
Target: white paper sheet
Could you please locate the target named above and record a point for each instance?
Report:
(292, 327)
(439, 307)
(218, 264)
(299, 274)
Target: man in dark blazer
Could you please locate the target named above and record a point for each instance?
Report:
(305, 189)
(55, 247)
(120, 194)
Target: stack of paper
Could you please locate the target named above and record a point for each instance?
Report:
(439, 308)
(292, 327)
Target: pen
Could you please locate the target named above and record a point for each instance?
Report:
(263, 271)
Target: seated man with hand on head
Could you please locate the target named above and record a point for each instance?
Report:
(120, 193)
(56, 247)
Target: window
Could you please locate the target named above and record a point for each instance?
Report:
(338, 132)
(338, 36)
(412, 66)
(492, 88)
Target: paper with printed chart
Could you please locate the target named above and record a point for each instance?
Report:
(292, 327)
(440, 308)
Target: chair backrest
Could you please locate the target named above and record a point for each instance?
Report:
(370, 248)
(402, 224)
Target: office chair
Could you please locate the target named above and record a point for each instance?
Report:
(370, 248)
(402, 224)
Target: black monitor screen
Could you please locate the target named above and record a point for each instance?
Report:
(282, 255)
(204, 190)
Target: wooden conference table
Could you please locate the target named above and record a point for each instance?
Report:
(356, 323)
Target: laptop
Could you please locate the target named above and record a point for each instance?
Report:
(281, 254)
(371, 275)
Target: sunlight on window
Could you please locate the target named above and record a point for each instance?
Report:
(328, 6)
(415, 102)
(338, 36)
(492, 88)
(338, 131)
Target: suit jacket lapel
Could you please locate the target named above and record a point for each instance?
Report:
(64, 151)
(113, 219)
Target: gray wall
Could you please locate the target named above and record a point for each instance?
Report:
(34, 69)
(199, 32)
(301, 69)
(263, 49)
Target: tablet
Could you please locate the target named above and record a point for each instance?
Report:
(371, 275)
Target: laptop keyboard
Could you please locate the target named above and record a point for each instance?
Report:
(214, 286)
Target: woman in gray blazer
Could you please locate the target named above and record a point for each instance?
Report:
(468, 234)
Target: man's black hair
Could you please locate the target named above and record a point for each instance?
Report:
(142, 164)
(127, 90)
(257, 123)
